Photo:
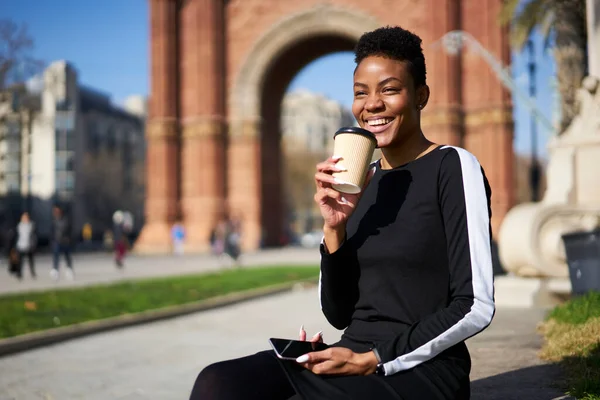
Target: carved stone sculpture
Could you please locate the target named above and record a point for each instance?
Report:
(530, 238)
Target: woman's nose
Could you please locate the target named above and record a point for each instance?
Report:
(374, 102)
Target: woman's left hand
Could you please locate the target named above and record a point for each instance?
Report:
(339, 361)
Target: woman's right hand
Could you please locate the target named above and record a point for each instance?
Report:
(335, 207)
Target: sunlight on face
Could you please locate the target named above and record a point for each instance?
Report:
(384, 100)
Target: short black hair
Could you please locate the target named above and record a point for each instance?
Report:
(396, 43)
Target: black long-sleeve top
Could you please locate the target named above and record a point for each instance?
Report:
(414, 275)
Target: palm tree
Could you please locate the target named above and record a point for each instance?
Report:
(564, 22)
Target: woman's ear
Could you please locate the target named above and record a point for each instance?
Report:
(422, 96)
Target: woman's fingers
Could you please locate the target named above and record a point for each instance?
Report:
(332, 164)
(302, 333)
(317, 338)
(322, 178)
(325, 169)
(325, 193)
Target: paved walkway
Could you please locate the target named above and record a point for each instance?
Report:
(161, 360)
(95, 268)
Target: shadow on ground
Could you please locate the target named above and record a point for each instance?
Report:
(523, 384)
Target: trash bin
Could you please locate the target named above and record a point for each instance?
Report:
(583, 258)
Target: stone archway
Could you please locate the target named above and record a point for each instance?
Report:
(218, 74)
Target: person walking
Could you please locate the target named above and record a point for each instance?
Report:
(178, 237)
(119, 238)
(232, 240)
(26, 244)
(61, 243)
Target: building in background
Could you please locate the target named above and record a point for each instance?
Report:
(66, 144)
(308, 122)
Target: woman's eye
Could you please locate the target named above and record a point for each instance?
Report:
(390, 90)
(357, 94)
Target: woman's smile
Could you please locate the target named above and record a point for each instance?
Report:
(377, 124)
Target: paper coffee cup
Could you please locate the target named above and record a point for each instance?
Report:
(355, 146)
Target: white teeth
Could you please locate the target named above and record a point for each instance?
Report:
(380, 121)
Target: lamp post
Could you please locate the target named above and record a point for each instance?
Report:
(534, 169)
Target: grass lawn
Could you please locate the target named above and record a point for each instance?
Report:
(572, 337)
(28, 312)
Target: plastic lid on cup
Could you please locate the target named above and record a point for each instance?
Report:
(357, 131)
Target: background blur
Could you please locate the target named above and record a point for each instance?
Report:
(82, 70)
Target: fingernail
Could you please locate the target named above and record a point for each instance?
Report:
(343, 200)
(336, 157)
(320, 333)
(336, 180)
(340, 167)
(302, 359)
(301, 328)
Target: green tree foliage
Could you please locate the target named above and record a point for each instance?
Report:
(562, 23)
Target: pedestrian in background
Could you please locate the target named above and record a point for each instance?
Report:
(61, 243)
(233, 237)
(119, 238)
(178, 237)
(86, 232)
(26, 244)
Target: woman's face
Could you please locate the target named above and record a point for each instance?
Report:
(385, 100)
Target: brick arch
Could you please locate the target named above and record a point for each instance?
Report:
(255, 102)
(322, 21)
(219, 70)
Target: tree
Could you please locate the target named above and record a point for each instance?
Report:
(16, 63)
(564, 23)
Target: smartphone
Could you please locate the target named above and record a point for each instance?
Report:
(288, 349)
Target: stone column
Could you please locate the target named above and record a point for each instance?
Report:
(245, 178)
(488, 107)
(202, 87)
(161, 130)
(442, 119)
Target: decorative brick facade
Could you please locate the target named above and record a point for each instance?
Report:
(219, 73)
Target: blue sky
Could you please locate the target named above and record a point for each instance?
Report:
(107, 41)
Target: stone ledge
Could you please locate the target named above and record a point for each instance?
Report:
(47, 337)
(520, 292)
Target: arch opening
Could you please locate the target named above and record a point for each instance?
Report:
(277, 79)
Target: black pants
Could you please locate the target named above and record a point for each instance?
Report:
(260, 376)
(254, 377)
(31, 261)
(57, 249)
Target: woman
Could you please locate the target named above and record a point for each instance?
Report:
(26, 243)
(406, 265)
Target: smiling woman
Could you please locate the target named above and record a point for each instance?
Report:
(406, 265)
(389, 94)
